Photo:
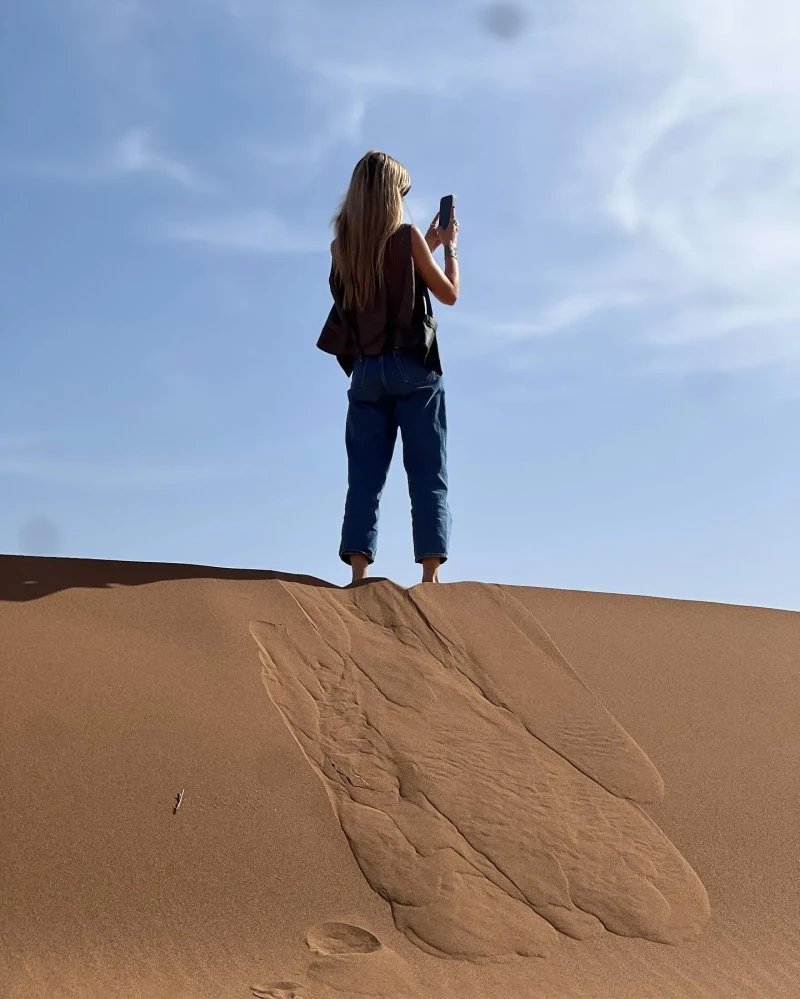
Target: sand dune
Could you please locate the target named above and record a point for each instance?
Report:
(464, 790)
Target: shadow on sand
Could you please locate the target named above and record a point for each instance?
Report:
(24, 577)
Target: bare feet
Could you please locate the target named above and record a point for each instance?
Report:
(360, 566)
(430, 570)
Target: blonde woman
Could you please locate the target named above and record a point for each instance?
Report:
(382, 331)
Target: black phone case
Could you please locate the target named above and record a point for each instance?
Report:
(446, 205)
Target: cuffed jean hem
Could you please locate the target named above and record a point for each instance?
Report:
(345, 555)
(419, 558)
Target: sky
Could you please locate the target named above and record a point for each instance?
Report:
(622, 367)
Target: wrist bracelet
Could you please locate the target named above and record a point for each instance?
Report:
(451, 251)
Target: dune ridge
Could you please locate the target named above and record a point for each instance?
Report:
(122, 684)
(486, 827)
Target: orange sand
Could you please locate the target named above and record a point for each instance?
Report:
(455, 791)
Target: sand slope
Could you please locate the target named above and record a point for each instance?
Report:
(482, 810)
(449, 790)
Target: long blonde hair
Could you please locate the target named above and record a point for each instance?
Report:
(371, 212)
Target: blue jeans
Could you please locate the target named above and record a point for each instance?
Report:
(388, 392)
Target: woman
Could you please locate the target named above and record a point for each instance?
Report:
(383, 333)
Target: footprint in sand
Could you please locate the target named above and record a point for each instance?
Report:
(353, 962)
(280, 990)
(348, 961)
(341, 938)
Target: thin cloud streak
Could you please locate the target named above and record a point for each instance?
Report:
(260, 231)
(134, 153)
(342, 125)
(684, 151)
(106, 475)
(556, 317)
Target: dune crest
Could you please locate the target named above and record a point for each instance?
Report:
(484, 790)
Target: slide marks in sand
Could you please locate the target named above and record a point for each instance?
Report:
(486, 793)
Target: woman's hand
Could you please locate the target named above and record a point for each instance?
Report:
(432, 236)
(448, 236)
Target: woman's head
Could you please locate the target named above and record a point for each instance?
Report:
(372, 210)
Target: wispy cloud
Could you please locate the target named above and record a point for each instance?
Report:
(701, 175)
(385, 53)
(25, 456)
(54, 460)
(343, 124)
(681, 165)
(260, 231)
(670, 192)
(562, 314)
(134, 153)
(109, 475)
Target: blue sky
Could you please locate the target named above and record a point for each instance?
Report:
(622, 365)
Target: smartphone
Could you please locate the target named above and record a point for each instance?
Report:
(446, 206)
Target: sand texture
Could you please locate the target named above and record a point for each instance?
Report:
(229, 783)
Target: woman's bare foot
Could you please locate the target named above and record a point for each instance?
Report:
(360, 566)
(430, 570)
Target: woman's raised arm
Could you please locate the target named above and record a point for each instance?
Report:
(443, 285)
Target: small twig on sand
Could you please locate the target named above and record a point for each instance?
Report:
(178, 800)
(347, 776)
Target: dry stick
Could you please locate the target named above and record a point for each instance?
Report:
(347, 776)
(178, 800)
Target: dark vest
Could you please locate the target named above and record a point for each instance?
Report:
(401, 318)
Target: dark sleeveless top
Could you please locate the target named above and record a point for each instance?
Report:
(391, 322)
